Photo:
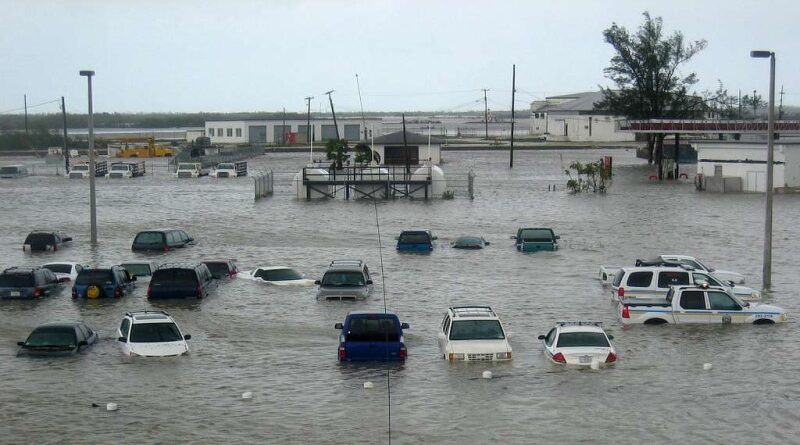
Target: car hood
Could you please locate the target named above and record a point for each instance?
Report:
(159, 349)
(479, 346)
(758, 307)
(728, 275)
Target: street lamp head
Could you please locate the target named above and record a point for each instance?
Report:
(761, 54)
(86, 73)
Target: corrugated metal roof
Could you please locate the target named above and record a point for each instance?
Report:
(396, 138)
(580, 102)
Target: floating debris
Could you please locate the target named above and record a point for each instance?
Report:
(707, 366)
(368, 385)
(487, 374)
(247, 395)
(111, 406)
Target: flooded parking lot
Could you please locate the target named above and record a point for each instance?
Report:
(279, 342)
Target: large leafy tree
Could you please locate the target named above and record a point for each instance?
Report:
(645, 70)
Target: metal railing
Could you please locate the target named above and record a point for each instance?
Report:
(263, 184)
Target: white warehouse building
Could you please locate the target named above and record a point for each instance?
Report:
(279, 131)
(747, 162)
(573, 118)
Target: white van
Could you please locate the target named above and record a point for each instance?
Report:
(13, 171)
(651, 282)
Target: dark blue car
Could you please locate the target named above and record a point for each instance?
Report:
(103, 283)
(371, 336)
(415, 241)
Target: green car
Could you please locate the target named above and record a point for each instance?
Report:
(534, 239)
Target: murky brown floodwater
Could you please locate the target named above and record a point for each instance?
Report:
(280, 343)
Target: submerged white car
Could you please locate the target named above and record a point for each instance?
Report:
(579, 343)
(151, 334)
(65, 271)
(278, 275)
(473, 333)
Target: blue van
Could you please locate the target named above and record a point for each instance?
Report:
(371, 336)
(101, 283)
(415, 241)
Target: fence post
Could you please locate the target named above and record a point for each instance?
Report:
(471, 184)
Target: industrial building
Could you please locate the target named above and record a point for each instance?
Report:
(729, 166)
(573, 118)
(414, 148)
(289, 131)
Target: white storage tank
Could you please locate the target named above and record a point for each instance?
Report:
(313, 175)
(438, 182)
(371, 174)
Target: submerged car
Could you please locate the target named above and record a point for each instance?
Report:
(102, 283)
(345, 280)
(28, 283)
(180, 281)
(415, 241)
(139, 268)
(579, 343)
(535, 239)
(222, 268)
(65, 271)
(45, 241)
(371, 336)
(58, 339)
(278, 275)
(469, 242)
(473, 333)
(151, 334)
(162, 240)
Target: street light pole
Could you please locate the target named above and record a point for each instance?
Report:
(766, 271)
(92, 200)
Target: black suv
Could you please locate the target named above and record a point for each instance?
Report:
(222, 268)
(161, 240)
(180, 281)
(28, 283)
(43, 241)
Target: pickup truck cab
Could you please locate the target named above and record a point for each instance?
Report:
(370, 336)
(80, 170)
(535, 239)
(607, 272)
(473, 334)
(420, 241)
(698, 304)
(190, 170)
(126, 170)
(230, 169)
(653, 282)
(345, 280)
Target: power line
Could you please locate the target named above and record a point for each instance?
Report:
(31, 106)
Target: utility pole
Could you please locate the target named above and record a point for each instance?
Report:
(309, 131)
(405, 146)
(333, 113)
(755, 104)
(740, 104)
(92, 199)
(25, 100)
(513, 90)
(485, 115)
(283, 128)
(780, 107)
(363, 120)
(66, 149)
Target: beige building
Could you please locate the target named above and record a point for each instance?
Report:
(573, 118)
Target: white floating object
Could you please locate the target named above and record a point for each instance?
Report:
(595, 364)
(368, 385)
(247, 395)
(707, 366)
(487, 374)
(111, 407)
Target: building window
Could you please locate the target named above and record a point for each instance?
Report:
(230, 132)
(238, 132)
(210, 132)
(219, 132)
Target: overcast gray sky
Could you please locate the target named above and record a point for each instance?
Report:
(244, 55)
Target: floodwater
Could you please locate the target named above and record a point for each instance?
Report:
(280, 343)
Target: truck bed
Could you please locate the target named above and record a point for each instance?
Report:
(632, 302)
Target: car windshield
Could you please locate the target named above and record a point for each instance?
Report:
(582, 339)
(536, 235)
(122, 167)
(278, 275)
(372, 328)
(100, 276)
(52, 336)
(225, 166)
(149, 238)
(336, 278)
(59, 268)
(414, 238)
(186, 167)
(476, 330)
(80, 168)
(137, 269)
(16, 280)
(155, 333)
(175, 276)
(8, 170)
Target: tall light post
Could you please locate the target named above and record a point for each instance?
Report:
(766, 272)
(92, 200)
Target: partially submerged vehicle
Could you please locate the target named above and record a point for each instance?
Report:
(535, 239)
(58, 339)
(469, 242)
(371, 336)
(420, 241)
(277, 275)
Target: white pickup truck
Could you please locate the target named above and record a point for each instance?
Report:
(126, 170)
(80, 170)
(697, 304)
(607, 273)
(190, 170)
(230, 169)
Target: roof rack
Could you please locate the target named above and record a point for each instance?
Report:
(177, 265)
(145, 311)
(345, 261)
(472, 311)
(599, 324)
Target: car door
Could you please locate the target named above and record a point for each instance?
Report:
(723, 308)
(124, 330)
(444, 332)
(549, 342)
(692, 307)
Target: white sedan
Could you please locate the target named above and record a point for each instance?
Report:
(579, 343)
(278, 275)
(65, 271)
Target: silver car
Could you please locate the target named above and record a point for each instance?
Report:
(345, 280)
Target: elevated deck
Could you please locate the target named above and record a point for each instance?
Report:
(700, 126)
(377, 182)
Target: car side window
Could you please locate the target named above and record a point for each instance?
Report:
(184, 237)
(640, 279)
(84, 332)
(124, 327)
(722, 302)
(551, 337)
(79, 335)
(446, 324)
(693, 299)
(669, 278)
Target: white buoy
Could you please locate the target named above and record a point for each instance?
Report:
(111, 407)
(368, 385)
(595, 364)
(247, 395)
(707, 366)
(487, 374)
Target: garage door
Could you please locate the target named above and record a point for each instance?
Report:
(756, 182)
(302, 134)
(280, 133)
(257, 134)
(328, 132)
(352, 132)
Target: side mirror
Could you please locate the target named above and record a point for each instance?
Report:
(369, 281)
(541, 337)
(558, 237)
(731, 283)
(513, 237)
(122, 339)
(610, 337)
(133, 278)
(317, 282)
(404, 326)
(20, 343)
(83, 343)
(486, 243)
(66, 239)
(338, 326)
(187, 337)
(434, 238)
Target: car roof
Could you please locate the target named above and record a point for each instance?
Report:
(427, 232)
(655, 268)
(149, 263)
(60, 324)
(62, 262)
(21, 270)
(370, 313)
(580, 328)
(149, 316)
(461, 312)
(221, 260)
(352, 267)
